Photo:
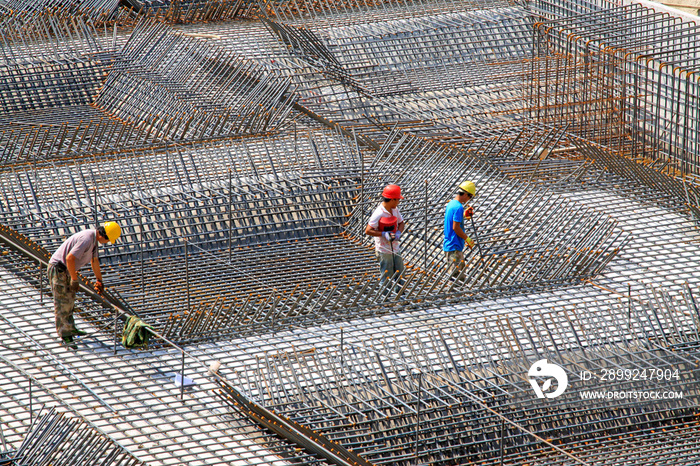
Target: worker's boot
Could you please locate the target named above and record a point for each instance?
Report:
(69, 343)
(78, 333)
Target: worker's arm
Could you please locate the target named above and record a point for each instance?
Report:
(401, 227)
(372, 231)
(458, 230)
(70, 265)
(95, 262)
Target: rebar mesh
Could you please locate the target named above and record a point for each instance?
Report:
(198, 222)
(191, 10)
(242, 158)
(59, 440)
(159, 87)
(622, 77)
(439, 397)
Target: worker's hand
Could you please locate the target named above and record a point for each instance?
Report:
(398, 234)
(470, 243)
(468, 212)
(389, 236)
(74, 285)
(99, 286)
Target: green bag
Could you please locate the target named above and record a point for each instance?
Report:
(135, 334)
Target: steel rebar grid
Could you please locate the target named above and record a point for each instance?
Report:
(50, 33)
(583, 162)
(677, 191)
(432, 316)
(370, 395)
(637, 257)
(625, 78)
(193, 10)
(309, 215)
(501, 201)
(332, 12)
(59, 440)
(153, 423)
(206, 92)
(194, 91)
(447, 78)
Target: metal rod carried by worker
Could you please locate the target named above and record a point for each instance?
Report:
(454, 235)
(64, 264)
(386, 225)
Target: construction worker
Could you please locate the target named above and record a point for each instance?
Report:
(386, 225)
(455, 237)
(64, 264)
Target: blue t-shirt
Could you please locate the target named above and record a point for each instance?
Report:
(453, 213)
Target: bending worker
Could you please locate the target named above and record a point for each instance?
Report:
(386, 225)
(72, 255)
(455, 237)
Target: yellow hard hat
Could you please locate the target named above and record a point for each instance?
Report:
(113, 231)
(468, 186)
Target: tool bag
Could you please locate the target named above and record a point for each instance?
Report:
(389, 224)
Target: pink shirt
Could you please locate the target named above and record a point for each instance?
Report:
(82, 245)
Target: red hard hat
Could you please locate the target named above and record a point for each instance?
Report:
(388, 224)
(392, 191)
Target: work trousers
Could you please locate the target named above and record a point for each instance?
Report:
(63, 301)
(455, 261)
(389, 264)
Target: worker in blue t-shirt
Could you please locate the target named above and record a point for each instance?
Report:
(455, 237)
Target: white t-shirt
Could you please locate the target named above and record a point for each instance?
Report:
(381, 245)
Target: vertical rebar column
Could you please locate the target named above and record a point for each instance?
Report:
(629, 304)
(182, 377)
(420, 380)
(116, 337)
(2, 440)
(503, 440)
(41, 281)
(31, 407)
(476, 237)
(97, 222)
(230, 215)
(187, 275)
(143, 287)
(362, 183)
(692, 299)
(425, 229)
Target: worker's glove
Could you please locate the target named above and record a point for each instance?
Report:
(398, 234)
(468, 212)
(389, 236)
(99, 286)
(74, 285)
(470, 243)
